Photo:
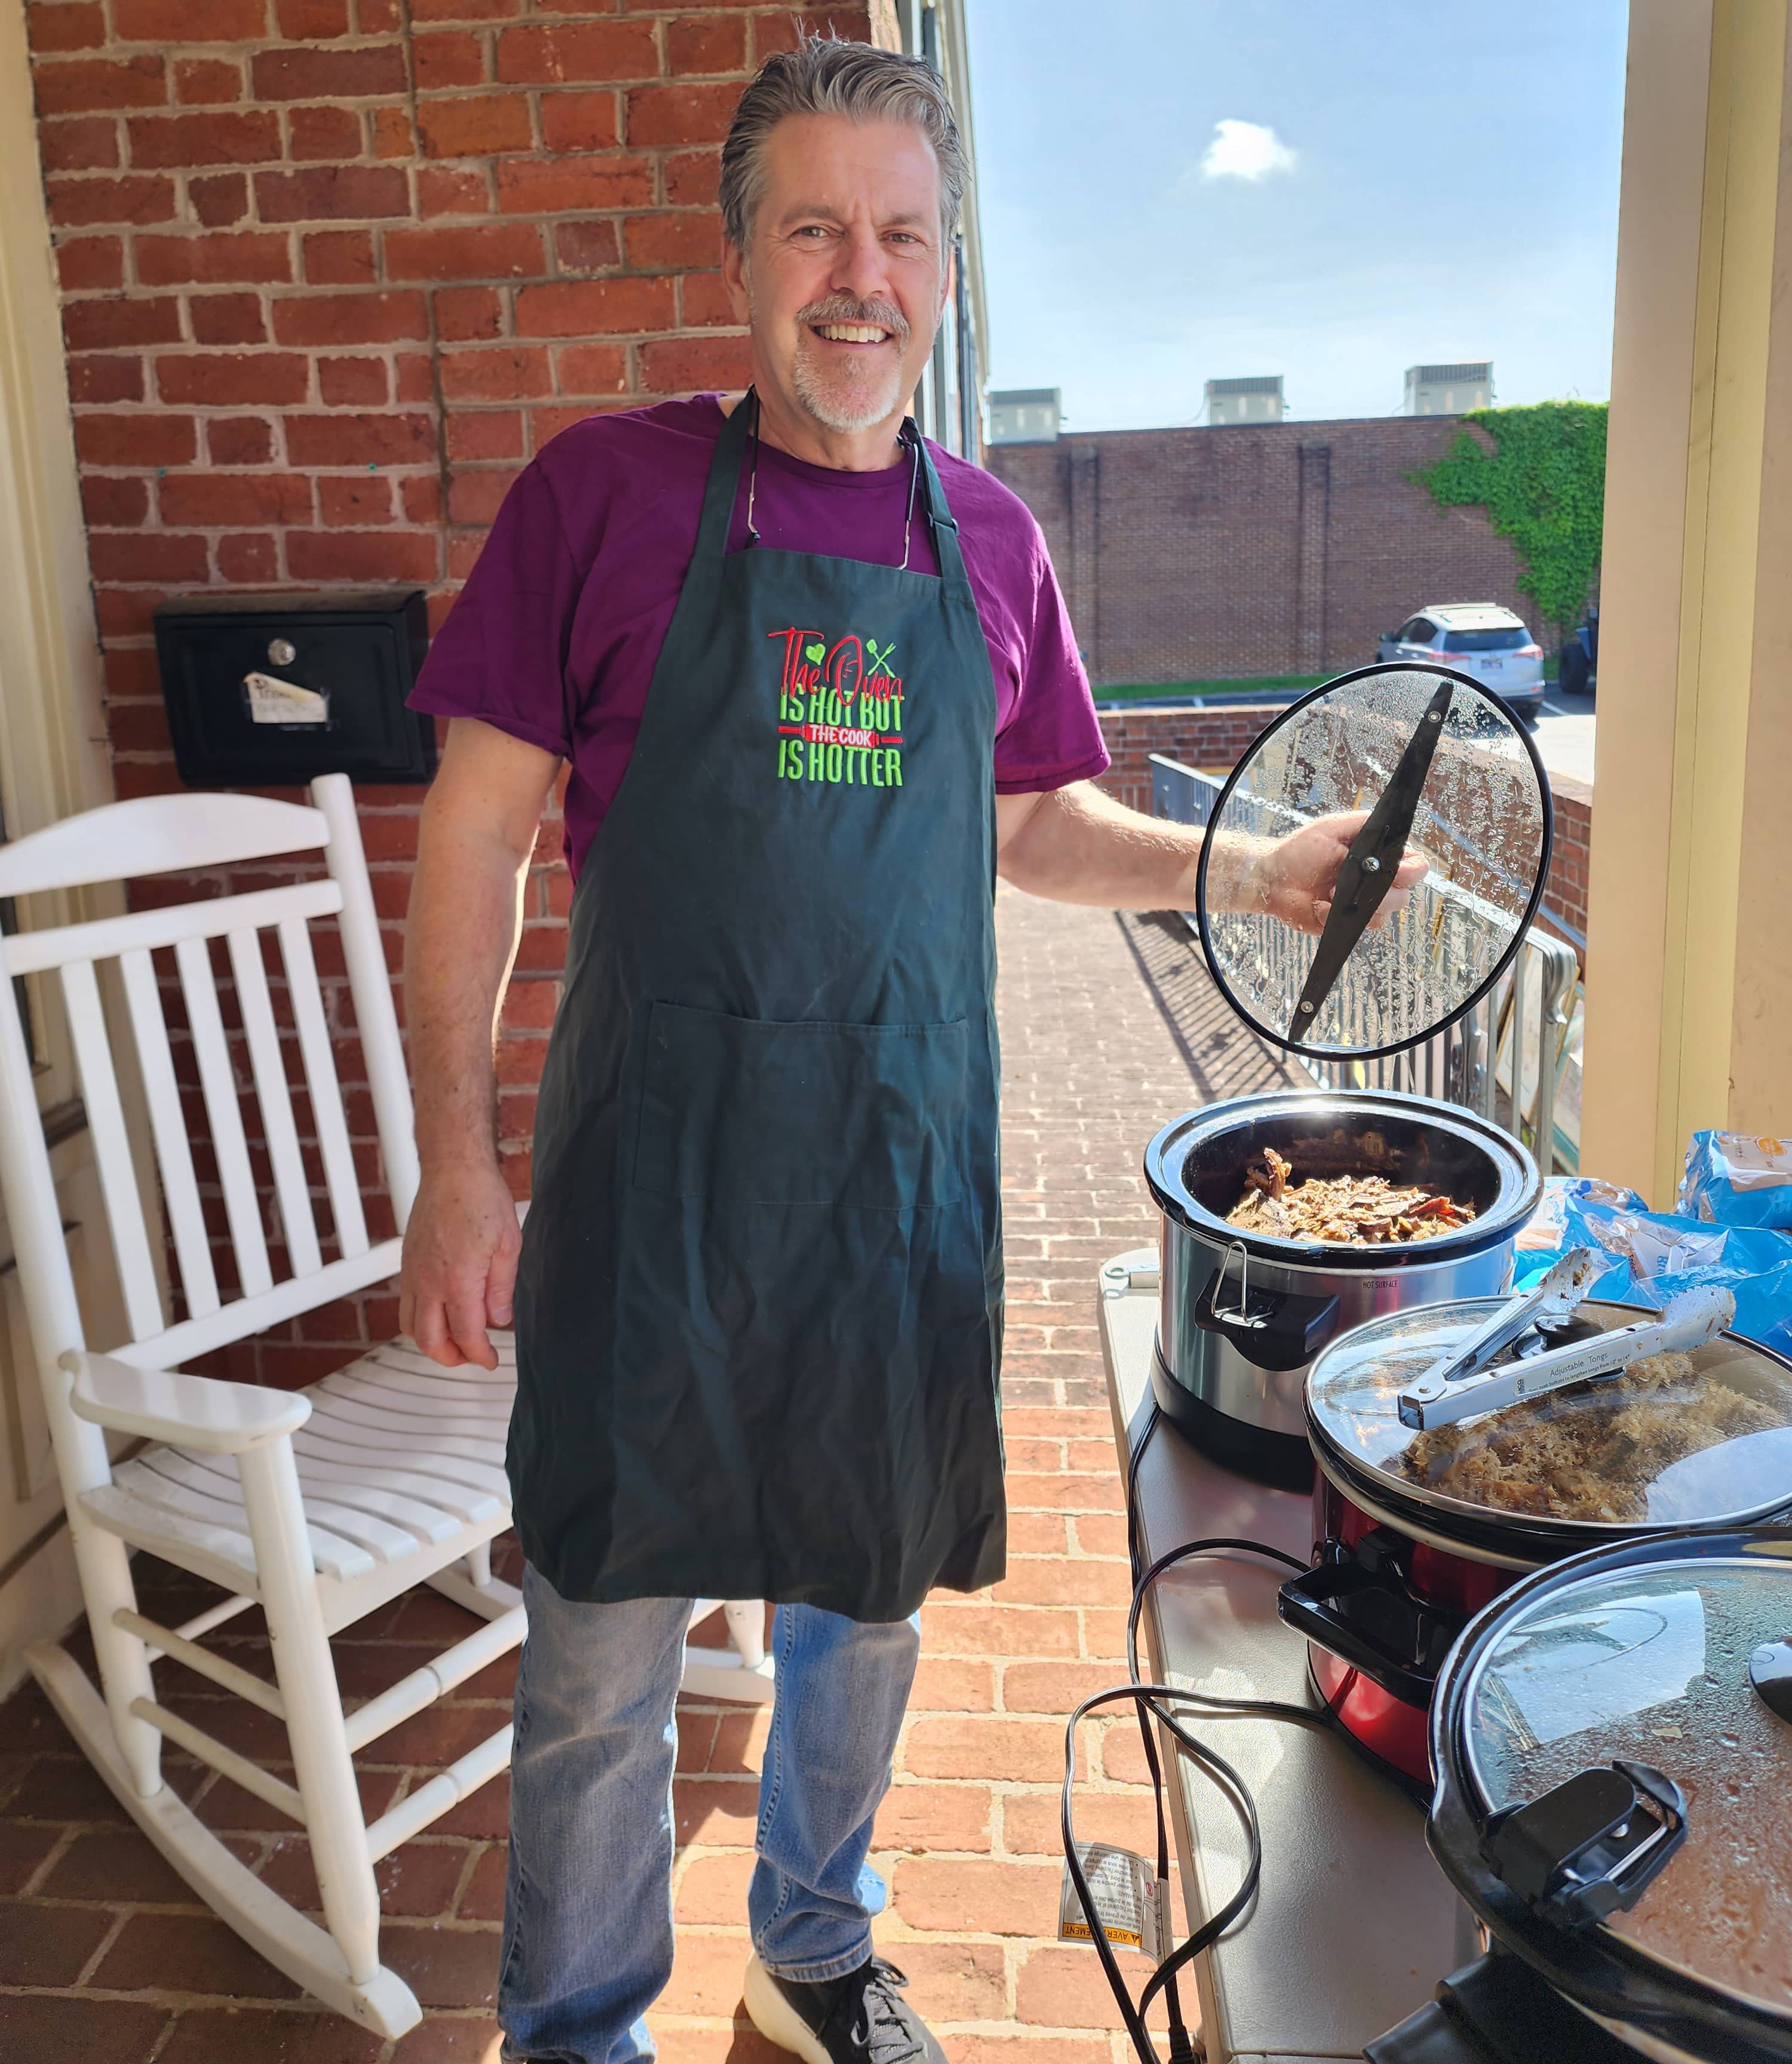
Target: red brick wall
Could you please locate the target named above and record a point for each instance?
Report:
(1289, 548)
(1214, 740)
(1565, 895)
(1211, 740)
(331, 271)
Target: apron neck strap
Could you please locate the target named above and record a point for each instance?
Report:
(941, 521)
(724, 479)
(723, 488)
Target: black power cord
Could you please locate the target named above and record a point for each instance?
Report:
(1154, 1702)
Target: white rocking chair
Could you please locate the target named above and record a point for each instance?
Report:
(318, 1505)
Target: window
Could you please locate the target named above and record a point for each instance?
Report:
(1488, 641)
(1420, 631)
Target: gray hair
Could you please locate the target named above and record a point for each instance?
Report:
(827, 75)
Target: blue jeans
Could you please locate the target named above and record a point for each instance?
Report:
(587, 1910)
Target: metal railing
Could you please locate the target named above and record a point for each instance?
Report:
(1515, 1058)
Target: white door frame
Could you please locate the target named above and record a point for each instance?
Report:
(53, 753)
(53, 757)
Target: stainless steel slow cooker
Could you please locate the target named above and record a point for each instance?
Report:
(1243, 1313)
(1613, 1745)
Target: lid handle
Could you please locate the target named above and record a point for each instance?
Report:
(1591, 1845)
(1368, 871)
(1770, 1673)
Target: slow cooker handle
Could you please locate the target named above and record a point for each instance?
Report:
(1309, 1604)
(1497, 2006)
(1272, 1329)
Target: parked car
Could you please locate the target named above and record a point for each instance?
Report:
(1480, 639)
(1581, 657)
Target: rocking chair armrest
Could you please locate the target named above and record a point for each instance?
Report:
(202, 1412)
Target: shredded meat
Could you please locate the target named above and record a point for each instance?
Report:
(1352, 1211)
(1590, 1451)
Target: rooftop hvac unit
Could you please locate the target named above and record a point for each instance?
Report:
(1025, 416)
(1449, 390)
(1255, 398)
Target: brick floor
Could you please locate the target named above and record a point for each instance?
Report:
(106, 1958)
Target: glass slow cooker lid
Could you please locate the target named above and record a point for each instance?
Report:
(1671, 1666)
(1375, 765)
(1684, 1440)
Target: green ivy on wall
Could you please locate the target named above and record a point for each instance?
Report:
(1543, 486)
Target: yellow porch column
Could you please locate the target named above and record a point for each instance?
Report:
(1689, 932)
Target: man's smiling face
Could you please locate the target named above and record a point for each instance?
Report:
(844, 276)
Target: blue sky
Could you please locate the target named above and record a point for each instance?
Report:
(1438, 181)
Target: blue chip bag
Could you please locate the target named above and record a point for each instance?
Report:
(1652, 1256)
(1737, 1178)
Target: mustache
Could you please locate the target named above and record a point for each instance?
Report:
(846, 308)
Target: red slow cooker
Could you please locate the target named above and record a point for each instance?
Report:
(1415, 1533)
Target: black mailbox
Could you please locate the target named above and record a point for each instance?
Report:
(266, 691)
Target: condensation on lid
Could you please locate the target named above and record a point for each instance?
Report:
(1480, 822)
(1703, 1439)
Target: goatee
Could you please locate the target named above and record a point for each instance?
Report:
(845, 397)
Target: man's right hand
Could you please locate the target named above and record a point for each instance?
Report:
(459, 1274)
(476, 842)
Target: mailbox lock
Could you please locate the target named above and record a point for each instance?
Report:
(282, 652)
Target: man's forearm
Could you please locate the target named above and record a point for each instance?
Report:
(460, 940)
(1079, 845)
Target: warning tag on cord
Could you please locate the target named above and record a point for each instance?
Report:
(1131, 1902)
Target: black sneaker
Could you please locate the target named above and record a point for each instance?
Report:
(861, 2018)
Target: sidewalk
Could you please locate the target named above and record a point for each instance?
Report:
(106, 1959)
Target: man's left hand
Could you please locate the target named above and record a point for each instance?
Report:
(1293, 878)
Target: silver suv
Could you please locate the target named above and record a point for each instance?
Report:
(1478, 639)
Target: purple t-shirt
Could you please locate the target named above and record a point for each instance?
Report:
(555, 637)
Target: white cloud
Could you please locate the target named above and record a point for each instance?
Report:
(1244, 150)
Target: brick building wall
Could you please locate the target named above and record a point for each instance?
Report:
(1282, 548)
(331, 271)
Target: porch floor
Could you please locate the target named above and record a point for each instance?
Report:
(1109, 1027)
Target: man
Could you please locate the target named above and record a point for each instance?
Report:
(816, 687)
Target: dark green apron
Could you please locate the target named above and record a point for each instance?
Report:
(759, 1309)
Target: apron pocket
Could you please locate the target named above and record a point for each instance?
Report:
(872, 1117)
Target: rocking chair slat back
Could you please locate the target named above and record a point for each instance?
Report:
(340, 1178)
(193, 1243)
(223, 1113)
(118, 1177)
(213, 1021)
(272, 1094)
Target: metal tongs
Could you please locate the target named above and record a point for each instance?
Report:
(1470, 1380)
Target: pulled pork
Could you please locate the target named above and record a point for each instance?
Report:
(1350, 1210)
(1590, 1451)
